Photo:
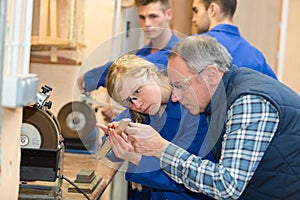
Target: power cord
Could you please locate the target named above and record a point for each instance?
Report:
(76, 187)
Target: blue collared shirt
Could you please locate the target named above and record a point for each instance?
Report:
(242, 52)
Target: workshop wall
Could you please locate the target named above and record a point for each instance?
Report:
(291, 64)
(259, 22)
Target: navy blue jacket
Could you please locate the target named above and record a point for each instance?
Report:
(278, 174)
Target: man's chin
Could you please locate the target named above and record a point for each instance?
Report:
(150, 36)
(194, 110)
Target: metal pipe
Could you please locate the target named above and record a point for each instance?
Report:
(72, 25)
(116, 29)
(27, 37)
(2, 45)
(282, 39)
(16, 37)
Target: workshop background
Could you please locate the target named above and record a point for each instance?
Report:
(69, 37)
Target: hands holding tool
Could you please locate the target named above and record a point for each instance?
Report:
(145, 139)
(135, 140)
(119, 143)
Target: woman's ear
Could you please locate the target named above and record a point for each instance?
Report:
(152, 74)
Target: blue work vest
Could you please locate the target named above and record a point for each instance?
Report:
(278, 174)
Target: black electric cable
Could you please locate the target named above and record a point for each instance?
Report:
(76, 187)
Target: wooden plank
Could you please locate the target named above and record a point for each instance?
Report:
(53, 19)
(53, 54)
(60, 60)
(72, 20)
(47, 40)
(43, 23)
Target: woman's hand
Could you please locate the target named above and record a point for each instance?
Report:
(122, 148)
(105, 129)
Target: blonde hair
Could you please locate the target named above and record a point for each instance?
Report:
(129, 65)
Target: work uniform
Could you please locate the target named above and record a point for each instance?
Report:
(242, 52)
(180, 127)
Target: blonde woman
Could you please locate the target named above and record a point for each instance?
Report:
(137, 84)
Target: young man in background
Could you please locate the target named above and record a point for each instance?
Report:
(214, 18)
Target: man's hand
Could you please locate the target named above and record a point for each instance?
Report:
(145, 139)
(80, 82)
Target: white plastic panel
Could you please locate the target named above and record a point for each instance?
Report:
(19, 91)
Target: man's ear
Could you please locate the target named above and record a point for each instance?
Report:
(213, 9)
(169, 13)
(212, 75)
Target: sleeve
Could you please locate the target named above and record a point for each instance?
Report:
(251, 124)
(96, 77)
(149, 174)
(124, 114)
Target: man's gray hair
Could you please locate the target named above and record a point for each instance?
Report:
(200, 51)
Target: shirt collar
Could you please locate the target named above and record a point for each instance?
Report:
(171, 43)
(226, 28)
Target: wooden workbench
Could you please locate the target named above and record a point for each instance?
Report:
(72, 164)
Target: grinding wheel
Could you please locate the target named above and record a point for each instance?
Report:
(39, 130)
(77, 120)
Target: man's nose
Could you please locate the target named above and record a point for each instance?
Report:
(194, 19)
(147, 22)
